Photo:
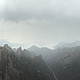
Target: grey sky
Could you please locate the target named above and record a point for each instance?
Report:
(40, 22)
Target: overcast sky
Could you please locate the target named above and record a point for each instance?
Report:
(40, 22)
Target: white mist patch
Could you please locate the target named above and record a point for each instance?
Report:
(2, 5)
(2, 2)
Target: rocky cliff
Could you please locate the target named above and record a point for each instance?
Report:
(22, 68)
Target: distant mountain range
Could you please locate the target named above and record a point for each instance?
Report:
(65, 44)
(46, 52)
(15, 45)
(20, 65)
(64, 60)
(43, 51)
(33, 48)
(34, 63)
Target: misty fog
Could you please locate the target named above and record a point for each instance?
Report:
(39, 40)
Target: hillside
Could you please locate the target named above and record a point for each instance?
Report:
(22, 68)
(65, 62)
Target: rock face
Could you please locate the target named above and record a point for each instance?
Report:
(23, 68)
(18, 52)
(8, 48)
(66, 63)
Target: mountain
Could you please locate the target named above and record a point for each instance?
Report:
(8, 48)
(14, 49)
(65, 44)
(22, 68)
(19, 51)
(65, 63)
(43, 51)
(33, 48)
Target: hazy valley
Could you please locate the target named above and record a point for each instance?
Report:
(36, 63)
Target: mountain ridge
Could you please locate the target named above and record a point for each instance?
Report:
(22, 67)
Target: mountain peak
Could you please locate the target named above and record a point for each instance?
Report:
(6, 45)
(32, 48)
(19, 51)
(8, 48)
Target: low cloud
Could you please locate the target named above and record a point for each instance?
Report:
(17, 10)
(42, 22)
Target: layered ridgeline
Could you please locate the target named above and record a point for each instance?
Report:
(66, 44)
(21, 65)
(46, 52)
(43, 51)
(65, 63)
(60, 64)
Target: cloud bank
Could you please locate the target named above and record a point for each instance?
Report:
(41, 22)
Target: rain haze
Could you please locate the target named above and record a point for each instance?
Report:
(39, 22)
(39, 39)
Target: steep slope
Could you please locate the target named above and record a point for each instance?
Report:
(19, 52)
(10, 65)
(44, 52)
(23, 68)
(66, 63)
